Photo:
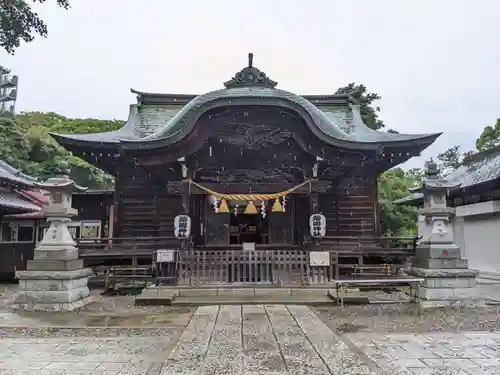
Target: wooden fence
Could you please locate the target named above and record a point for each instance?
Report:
(236, 267)
(272, 264)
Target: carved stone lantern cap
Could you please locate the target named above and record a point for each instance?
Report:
(433, 180)
(61, 181)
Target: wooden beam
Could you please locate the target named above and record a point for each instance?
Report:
(249, 188)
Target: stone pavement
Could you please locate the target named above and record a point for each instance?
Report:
(251, 340)
(470, 353)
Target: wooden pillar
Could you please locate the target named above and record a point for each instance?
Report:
(114, 226)
(186, 199)
(314, 203)
(111, 220)
(376, 222)
(311, 172)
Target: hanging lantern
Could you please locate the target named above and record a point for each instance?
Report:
(277, 207)
(250, 209)
(223, 208)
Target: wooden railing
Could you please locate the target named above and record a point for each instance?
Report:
(122, 246)
(223, 267)
(369, 245)
(279, 267)
(125, 246)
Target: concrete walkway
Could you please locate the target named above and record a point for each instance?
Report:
(251, 340)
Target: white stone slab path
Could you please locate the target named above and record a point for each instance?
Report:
(256, 340)
(260, 339)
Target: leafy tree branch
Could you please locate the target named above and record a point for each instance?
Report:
(18, 22)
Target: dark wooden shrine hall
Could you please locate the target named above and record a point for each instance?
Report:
(247, 138)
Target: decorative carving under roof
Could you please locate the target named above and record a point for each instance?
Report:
(250, 76)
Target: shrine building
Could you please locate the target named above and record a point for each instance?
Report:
(249, 165)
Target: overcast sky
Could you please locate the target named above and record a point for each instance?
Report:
(436, 63)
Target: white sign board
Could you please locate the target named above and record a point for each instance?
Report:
(249, 246)
(319, 258)
(164, 256)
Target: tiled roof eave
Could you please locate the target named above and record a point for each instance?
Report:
(12, 200)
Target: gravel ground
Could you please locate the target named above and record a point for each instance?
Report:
(116, 305)
(403, 318)
(117, 314)
(105, 317)
(87, 332)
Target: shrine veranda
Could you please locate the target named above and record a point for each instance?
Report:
(261, 185)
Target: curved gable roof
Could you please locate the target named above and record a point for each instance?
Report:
(325, 125)
(162, 119)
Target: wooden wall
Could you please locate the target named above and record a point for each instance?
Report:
(145, 207)
(350, 208)
(92, 206)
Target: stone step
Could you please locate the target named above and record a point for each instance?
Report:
(252, 300)
(165, 298)
(198, 297)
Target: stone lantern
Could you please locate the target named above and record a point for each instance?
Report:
(55, 279)
(438, 224)
(447, 279)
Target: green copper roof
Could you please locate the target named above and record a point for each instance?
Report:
(149, 123)
(159, 120)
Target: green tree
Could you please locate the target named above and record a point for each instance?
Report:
(27, 145)
(490, 137)
(451, 158)
(18, 22)
(369, 111)
(396, 220)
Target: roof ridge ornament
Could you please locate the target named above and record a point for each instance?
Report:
(249, 77)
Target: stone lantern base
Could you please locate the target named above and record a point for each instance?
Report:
(53, 281)
(448, 282)
(447, 288)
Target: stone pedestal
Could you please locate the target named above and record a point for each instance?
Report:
(448, 281)
(55, 279)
